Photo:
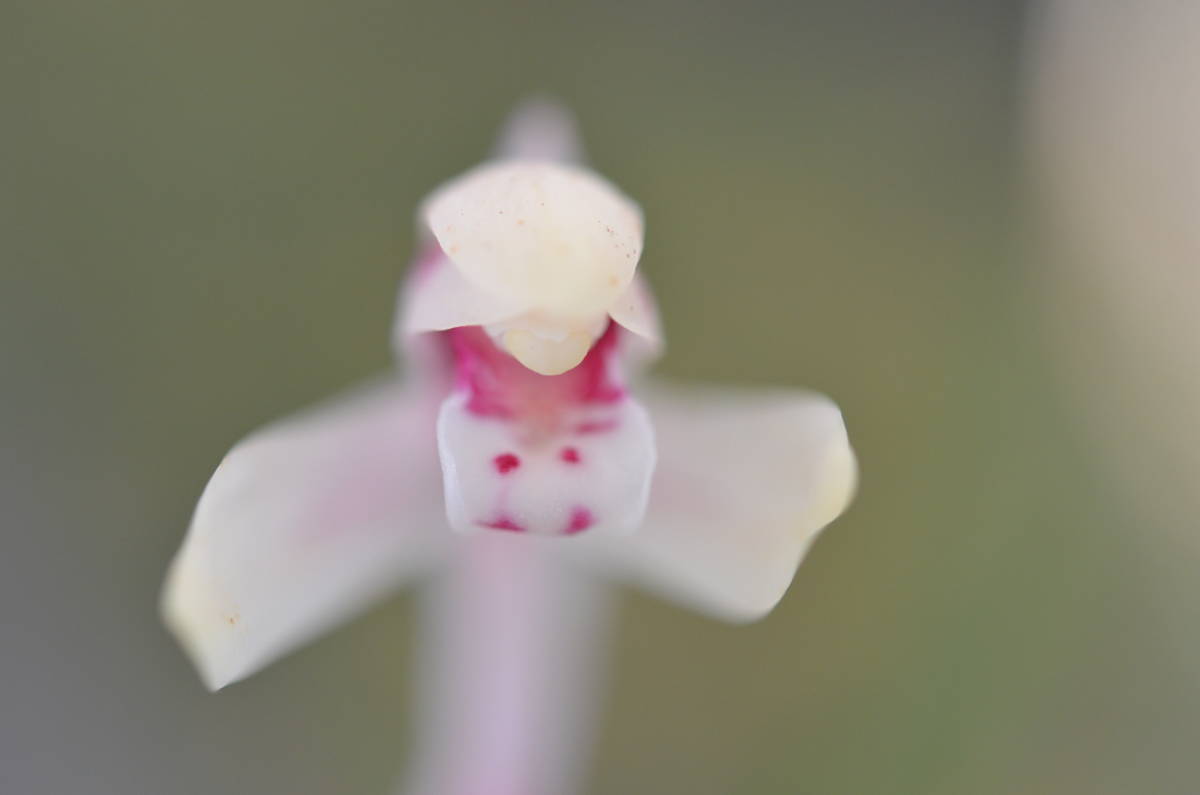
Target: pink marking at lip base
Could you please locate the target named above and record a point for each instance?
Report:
(501, 387)
(570, 455)
(581, 519)
(595, 426)
(503, 523)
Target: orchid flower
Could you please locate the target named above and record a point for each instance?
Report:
(520, 463)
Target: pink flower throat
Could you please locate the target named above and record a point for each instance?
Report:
(500, 386)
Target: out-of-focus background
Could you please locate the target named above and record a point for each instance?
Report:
(204, 212)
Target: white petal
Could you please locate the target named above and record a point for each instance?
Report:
(745, 482)
(551, 236)
(540, 129)
(635, 311)
(440, 297)
(591, 473)
(302, 524)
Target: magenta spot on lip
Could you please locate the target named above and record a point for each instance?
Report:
(569, 455)
(506, 462)
(503, 523)
(595, 426)
(581, 519)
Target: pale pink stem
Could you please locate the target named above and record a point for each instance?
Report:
(512, 655)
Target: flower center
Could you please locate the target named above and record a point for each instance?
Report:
(500, 385)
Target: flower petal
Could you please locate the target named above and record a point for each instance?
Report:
(635, 311)
(549, 235)
(591, 472)
(302, 524)
(745, 482)
(439, 297)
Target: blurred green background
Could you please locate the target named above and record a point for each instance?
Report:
(205, 209)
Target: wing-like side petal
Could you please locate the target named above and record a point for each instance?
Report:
(744, 483)
(304, 523)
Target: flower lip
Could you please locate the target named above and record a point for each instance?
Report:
(540, 235)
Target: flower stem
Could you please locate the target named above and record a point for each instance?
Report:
(512, 657)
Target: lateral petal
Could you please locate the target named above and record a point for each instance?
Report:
(303, 524)
(745, 482)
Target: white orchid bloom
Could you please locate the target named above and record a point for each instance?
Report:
(516, 469)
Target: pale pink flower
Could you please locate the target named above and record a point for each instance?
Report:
(518, 464)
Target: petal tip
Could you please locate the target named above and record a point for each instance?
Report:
(191, 614)
(840, 482)
(636, 312)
